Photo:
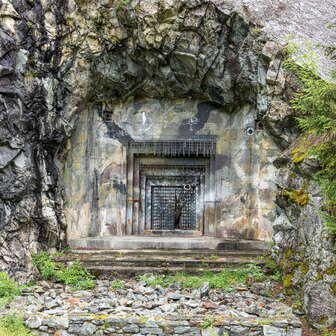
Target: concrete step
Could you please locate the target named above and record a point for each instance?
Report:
(199, 253)
(167, 243)
(163, 261)
(127, 272)
(135, 262)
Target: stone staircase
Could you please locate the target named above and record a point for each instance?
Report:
(130, 262)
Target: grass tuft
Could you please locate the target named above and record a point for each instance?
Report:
(226, 278)
(74, 275)
(8, 289)
(13, 325)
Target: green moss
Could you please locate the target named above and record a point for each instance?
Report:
(287, 281)
(292, 175)
(288, 253)
(333, 288)
(319, 276)
(330, 270)
(323, 319)
(304, 268)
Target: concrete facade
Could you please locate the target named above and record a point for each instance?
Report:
(99, 186)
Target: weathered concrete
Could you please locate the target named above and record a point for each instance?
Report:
(174, 243)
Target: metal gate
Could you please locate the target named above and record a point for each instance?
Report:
(173, 207)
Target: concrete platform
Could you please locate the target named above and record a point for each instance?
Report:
(168, 243)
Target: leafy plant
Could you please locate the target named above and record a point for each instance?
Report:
(117, 284)
(8, 289)
(208, 321)
(74, 275)
(13, 325)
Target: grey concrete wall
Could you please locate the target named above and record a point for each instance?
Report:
(96, 165)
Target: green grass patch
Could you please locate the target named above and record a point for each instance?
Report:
(117, 284)
(208, 322)
(74, 275)
(226, 278)
(8, 289)
(13, 325)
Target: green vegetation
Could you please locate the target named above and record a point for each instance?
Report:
(12, 325)
(208, 321)
(315, 104)
(333, 288)
(287, 281)
(122, 3)
(75, 276)
(117, 284)
(325, 332)
(8, 289)
(226, 278)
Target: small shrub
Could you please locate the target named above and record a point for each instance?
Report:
(12, 325)
(74, 276)
(8, 289)
(117, 284)
(208, 321)
(46, 266)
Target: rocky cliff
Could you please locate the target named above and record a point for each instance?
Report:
(56, 58)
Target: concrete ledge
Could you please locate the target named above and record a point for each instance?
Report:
(175, 243)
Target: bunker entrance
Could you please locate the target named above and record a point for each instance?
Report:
(171, 184)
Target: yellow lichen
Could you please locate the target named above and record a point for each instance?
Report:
(304, 268)
(300, 197)
(330, 270)
(333, 288)
(287, 281)
(298, 157)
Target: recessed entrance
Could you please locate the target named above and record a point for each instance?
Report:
(170, 187)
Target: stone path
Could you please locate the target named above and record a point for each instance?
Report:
(138, 309)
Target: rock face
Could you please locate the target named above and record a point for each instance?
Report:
(58, 58)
